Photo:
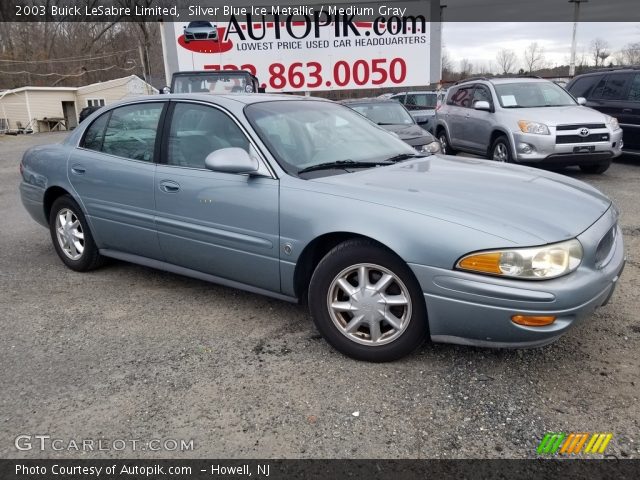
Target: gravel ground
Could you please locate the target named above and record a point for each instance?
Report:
(127, 352)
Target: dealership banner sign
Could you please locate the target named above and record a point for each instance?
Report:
(311, 50)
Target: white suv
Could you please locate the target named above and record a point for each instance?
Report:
(526, 120)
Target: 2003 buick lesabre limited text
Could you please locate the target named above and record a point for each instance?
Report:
(306, 200)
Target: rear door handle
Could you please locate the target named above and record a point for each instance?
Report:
(169, 186)
(78, 169)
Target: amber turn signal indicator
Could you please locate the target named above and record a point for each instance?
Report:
(482, 262)
(533, 320)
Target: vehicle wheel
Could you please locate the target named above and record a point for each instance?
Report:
(596, 167)
(366, 302)
(445, 146)
(71, 236)
(500, 150)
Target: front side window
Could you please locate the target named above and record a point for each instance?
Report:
(481, 94)
(198, 130)
(612, 87)
(583, 87)
(301, 134)
(461, 97)
(128, 132)
(532, 95)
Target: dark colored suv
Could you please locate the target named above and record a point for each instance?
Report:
(616, 93)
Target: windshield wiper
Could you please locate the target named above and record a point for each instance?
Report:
(342, 164)
(404, 156)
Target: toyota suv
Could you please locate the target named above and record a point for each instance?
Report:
(526, 120)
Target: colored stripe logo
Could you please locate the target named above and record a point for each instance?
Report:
(573, 443)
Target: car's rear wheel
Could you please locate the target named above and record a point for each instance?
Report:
(71, 236)
(445, 145)
(501, 150)
(596, 167)
(366, 302)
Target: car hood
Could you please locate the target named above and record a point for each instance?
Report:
(553, 116)
(522, 205)
(200, 29)
(412, 134)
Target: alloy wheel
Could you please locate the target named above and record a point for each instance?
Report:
(69, 234)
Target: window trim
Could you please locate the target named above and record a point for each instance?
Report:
(101, 102)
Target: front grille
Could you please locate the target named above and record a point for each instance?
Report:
(577, 126)
(200, 36)
(605, 247)
(594, 137)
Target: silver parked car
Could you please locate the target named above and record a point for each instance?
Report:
(200, 30)
(306, 200)
(526, 120)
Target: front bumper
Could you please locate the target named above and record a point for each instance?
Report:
(543, 149)
(471, 309)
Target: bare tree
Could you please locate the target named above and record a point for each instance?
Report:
(466, 67)
(533, 57)
(447, 64)
(629, 55)
(599, 51)
(507, 60)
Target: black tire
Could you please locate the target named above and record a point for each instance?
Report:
(501, 142)
(596, 168)
(90, 257)
(445, 144)
(349, 255)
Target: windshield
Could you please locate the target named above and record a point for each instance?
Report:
(384, 113)
(199, 24)
(301, 134)
(533, 95)
(227, 83)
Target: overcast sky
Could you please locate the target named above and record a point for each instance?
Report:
(479, 42)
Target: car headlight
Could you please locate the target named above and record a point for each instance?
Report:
(536, 263)
(613, 123)
(533, 127)
(433, 147)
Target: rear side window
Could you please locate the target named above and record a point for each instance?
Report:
(634, 90)
(583, 87)
(131, 131)
(612, 87)
(420, 101)
(94, 135)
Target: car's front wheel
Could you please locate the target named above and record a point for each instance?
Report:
(445, 145)
(501, 150)
(366, 302)
(596, 168)
(71, 236)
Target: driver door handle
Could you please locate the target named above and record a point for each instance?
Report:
(169, 186)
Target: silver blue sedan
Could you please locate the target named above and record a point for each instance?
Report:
(307, 201)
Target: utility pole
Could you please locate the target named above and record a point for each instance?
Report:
(442, 7)
(576, 16)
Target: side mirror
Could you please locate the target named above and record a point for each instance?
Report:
(165, 90)
(232, 160)
(581, 101)
(482, 105)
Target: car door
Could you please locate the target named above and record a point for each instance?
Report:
(222, 224)
(457, 115)
(629, 117)
(477, 128)
(113, 172)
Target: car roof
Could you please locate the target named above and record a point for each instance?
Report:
(432, 92)
(223, 98)
(502, 80)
